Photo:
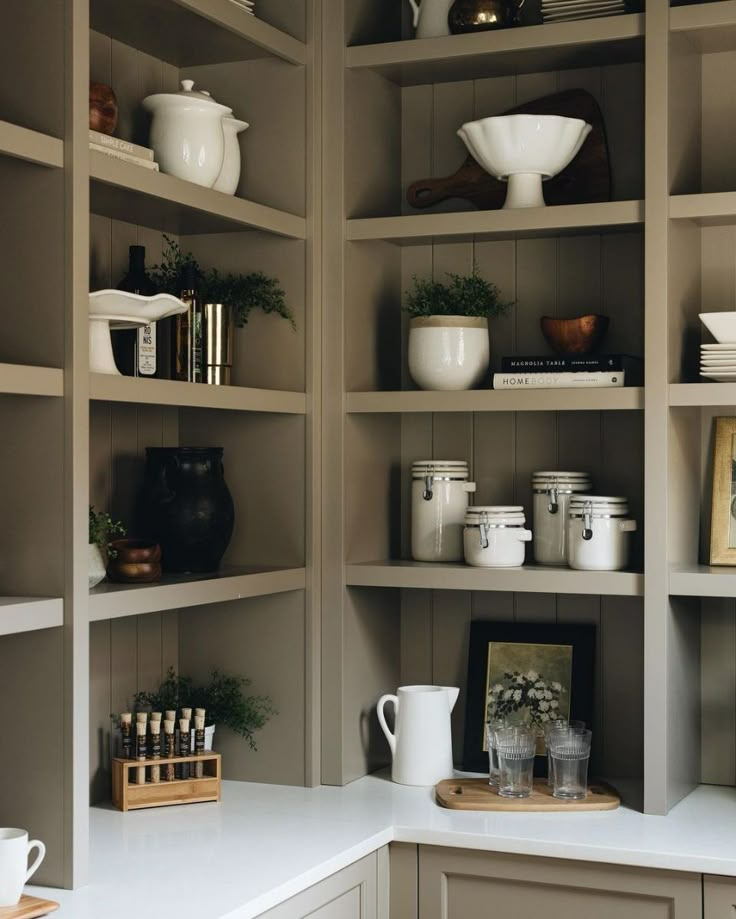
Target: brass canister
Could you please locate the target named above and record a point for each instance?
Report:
(219, 327)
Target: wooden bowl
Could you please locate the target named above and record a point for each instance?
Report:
(138, 561)
(575, 336)
(103, 108)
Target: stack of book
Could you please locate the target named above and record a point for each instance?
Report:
(572, 371)
(122, 150)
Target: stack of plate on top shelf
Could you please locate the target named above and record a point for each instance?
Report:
(566, 10)
(248, 5)
(718, 362)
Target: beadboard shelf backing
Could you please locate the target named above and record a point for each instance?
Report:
(22, 380)
(533, 49)
(554, 400)
(709, 27)
(192, 32)
(702, 581)
(32, 146)
(529, 579)
(112, 601)
(27, 614)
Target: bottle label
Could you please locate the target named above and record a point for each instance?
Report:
(147, 350)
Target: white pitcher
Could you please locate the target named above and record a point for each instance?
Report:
(422, 743)
(430, 18)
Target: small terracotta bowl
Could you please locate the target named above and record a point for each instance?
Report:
(138, 561)
(575, 336)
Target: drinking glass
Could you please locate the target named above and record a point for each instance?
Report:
(570, 750)
(557, 725)
(493, 725)
(516, 748)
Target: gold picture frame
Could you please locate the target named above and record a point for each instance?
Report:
(723, 502)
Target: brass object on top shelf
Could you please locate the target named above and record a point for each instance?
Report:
(483, 15)
(580, 335)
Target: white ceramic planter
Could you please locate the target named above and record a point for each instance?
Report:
(440, 492)
(598, 533)
(494, 537)
(227, 181)
(448, 352)
(95, 565)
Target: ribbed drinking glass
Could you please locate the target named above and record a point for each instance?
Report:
(493, 725)
(570, 750)
(516, 748)
(557, 725)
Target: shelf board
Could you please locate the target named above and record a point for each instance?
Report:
(710, 27)
(187, 33)
(713, 209)
(113, 601)
(532, 49)
(28, 614)
(132, 193)
(538, 400)
(529, 579)
(568, 219)
(695, 394)
(105, 387)
(25, 380)
(702, 581)
(24, 144)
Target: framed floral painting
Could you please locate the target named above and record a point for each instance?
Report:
(723, 510)
(526, 673)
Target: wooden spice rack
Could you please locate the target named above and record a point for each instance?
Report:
(127, 795)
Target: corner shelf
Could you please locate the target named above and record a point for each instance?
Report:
(531, 49)
(710, 27)
(32, 146)
(702, 581)
(187, 33)
(108, 388)
(25, 380)
(538, 400)
(529, 579)
(702, 394)
(28, 614)
(713, 209)
(114, 601)
(567, 219)
(132, 193)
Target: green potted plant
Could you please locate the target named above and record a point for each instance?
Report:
(102, 528)
(449, 346)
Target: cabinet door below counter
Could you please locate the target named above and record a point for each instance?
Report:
(459, 883)
(719, 897)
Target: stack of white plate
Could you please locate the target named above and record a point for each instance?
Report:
(565, 10)
(248, 5)
(718, 362)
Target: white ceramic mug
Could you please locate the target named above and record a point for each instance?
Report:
(14, 871)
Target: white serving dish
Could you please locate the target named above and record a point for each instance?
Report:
(722, 326)
(524, 149)
(730, 348)
(719, 377)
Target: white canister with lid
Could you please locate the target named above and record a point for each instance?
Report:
(552, 493)
(598, 531)
(494, 536)
(440, 493)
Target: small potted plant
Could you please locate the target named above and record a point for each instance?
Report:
(449, 345)
(102, 528)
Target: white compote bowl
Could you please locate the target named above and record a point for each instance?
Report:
(118, 309)
(524, 150)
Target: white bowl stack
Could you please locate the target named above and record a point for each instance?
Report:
(248, 5)
(718, 361)
(565, 10)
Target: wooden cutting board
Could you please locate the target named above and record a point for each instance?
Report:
(478, 795)
(28, 908)
(587, 178)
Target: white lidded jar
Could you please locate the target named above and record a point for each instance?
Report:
(598, 531)
(440, 493)
(494, 537)
(227, 181)
(552, 493)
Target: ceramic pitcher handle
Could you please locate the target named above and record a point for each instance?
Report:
(35, 844)
(415, 8)
(391, 738)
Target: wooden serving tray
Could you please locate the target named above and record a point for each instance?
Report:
(478, 795)
(28, 908)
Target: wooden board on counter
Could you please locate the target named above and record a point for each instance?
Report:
(28, 908)
(478, 795)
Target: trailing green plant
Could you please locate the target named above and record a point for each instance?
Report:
(101, 530)
(464, 295)
(223, 698)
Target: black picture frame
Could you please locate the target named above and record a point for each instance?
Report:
(581, 638)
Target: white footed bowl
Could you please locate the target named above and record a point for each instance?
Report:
(524, 149)
(722, 326)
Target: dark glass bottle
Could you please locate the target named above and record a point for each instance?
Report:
(188, 346)
(140, 352)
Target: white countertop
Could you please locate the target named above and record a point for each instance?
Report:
(265, 843)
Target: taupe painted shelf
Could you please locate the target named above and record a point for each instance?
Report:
(568, 219)
(694, 394)
(710, 27)
(128, 192)
(25, 380)
(190, 32)
(113, 601)
(702, 581)
(551, 400)
(529, 579)
(534, 49)
(108, 388)
(32, 146)
(28, 614)
(708, 210)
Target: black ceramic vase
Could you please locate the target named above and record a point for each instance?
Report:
(187, 507)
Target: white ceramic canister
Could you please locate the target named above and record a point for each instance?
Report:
(494, 537)
(227, 181)
(552, 492)
(598, 533)
(440, 493)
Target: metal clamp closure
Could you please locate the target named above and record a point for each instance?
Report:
(552, 505)
(587, 521)
(428, 493)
